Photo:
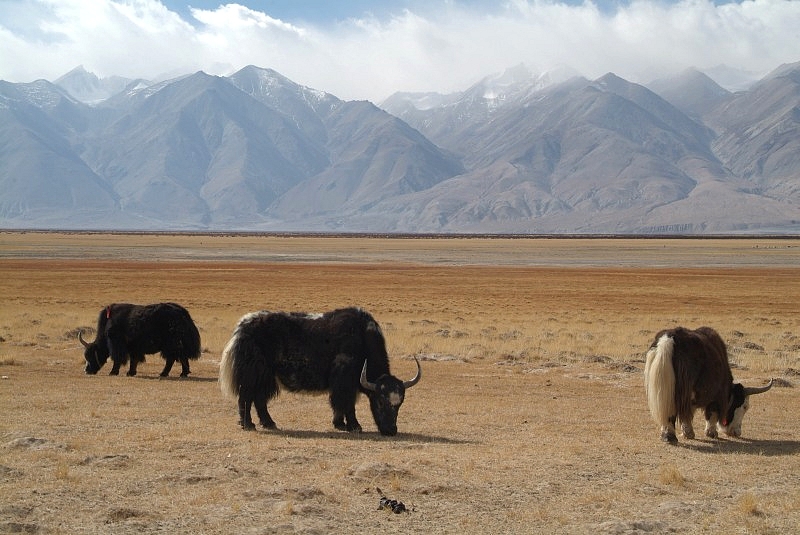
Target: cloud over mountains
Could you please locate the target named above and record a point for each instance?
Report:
(440, 46)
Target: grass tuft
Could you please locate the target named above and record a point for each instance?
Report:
(670, 475)
(749, 505)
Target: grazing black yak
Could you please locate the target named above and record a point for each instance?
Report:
(129, 332)
(342, 352)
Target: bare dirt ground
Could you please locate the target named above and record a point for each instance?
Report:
(530, 417)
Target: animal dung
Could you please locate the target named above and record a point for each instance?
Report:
(388, 504)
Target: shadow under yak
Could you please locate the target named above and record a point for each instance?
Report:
(766, 448)
(178, 379)
(416, 438)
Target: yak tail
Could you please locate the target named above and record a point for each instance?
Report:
(193, 347)
(228, 381)
(659, 381)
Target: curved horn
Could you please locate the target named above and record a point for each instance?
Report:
(415, 380)
(750, 390)
(366, 384)
(82, 341)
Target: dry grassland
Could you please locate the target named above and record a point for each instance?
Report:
(530, 417)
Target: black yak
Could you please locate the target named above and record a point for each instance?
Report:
(342, 352)
(686, 370)
(129, 332)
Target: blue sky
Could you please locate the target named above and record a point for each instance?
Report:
(317, 11)
(330, 11)
(368, 49)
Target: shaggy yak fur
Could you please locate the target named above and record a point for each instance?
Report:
(342, 352)
(129, 332)
(687, 370)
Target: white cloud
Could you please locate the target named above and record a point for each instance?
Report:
(446, 47)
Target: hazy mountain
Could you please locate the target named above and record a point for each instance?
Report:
(733, 79)
(87, 87)
(520, 151)
(306, 107)
(40, 174)
(759, 135)
(372, 155)
(198, 149)
(561, 156)
(691, 91)
(601, 156)
(448, 119)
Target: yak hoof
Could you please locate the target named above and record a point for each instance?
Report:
(248, 426)
(350, 428)
(114, 372)
(270, 425)
(131, 374)
(669, 437)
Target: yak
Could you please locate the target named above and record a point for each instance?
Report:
(129, 332)
(342, 352)
(688, 369)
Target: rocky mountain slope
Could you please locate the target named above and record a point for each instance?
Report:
(519, 152)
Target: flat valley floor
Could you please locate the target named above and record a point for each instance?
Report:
(530, 416)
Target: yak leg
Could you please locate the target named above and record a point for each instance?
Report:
(346, 421)
(167, 366)
(687, 429)
(135, 360)
(244, 414)
(685, 419)
(344, 413)
(711, 423)
(263, 414)
(117, 352)
(185, 367)
(117, 361)
(668, 432)
(343, 395)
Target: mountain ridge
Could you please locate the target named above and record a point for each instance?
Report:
(517, 152)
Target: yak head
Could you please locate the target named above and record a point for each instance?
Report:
(95, 354)
(386, 395)
(740, 402)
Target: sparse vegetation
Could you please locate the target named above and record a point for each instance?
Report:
(530, 416)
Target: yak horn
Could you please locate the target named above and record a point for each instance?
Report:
(750, 390)
(366, 384)
(82, 341)
(415, 380)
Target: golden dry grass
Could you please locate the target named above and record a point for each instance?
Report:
(530, 417)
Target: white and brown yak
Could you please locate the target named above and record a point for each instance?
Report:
(688, 370)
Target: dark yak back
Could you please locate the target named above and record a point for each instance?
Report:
(306, 350)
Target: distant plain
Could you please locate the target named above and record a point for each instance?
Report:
(530, 417)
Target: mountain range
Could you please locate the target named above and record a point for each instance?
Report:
(518, 152)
